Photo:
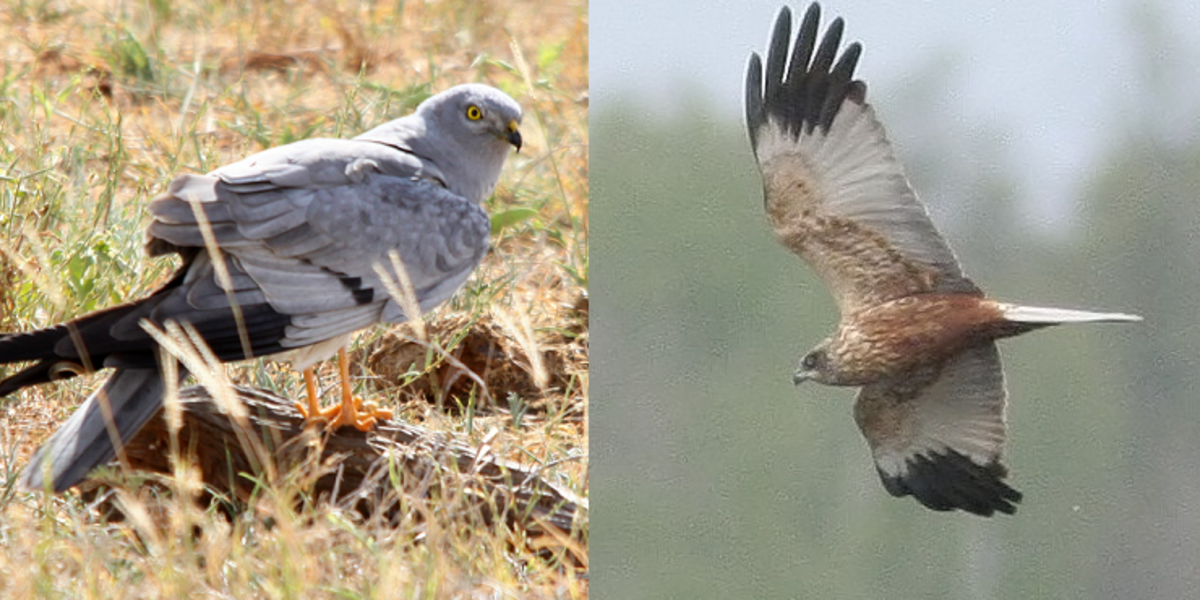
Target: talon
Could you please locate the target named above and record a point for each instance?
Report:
(353, 410)
(364, 416)
(350, 413)
(361, 414)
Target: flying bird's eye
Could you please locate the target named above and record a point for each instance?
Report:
(473, 113)
(810, 361)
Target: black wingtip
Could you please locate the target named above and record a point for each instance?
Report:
(777, 55)
(754, 103)
(805, 92)
(950, 480)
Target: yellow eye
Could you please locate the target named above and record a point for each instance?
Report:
(473, 113)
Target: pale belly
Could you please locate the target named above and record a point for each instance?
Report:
(303, 358)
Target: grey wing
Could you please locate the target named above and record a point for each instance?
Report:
(323, 162)
(312, 245)
(938, 433)
(835, 192)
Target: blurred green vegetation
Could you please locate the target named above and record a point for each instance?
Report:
(716, 478)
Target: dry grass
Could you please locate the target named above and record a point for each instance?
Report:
(102, 103)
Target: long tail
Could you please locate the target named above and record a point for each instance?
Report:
(1037, 315)
(113, 337)
(85, 441)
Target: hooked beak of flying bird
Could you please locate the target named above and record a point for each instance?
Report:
(514, 135)
(800, 377)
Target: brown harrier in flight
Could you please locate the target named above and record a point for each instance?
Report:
(916, 334)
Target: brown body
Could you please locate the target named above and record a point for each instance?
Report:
(893, 338)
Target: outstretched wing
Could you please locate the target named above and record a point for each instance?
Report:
(938, 433)
(834, 191)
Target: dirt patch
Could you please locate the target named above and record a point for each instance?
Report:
(537, 368)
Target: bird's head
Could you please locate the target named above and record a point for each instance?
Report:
(464, 134)
(816, 366)
(477, 125)
(478, 115)
(479, 111)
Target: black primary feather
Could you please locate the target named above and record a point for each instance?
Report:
(950, 480)
(816, 84)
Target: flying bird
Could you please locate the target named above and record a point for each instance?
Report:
(916, 335)
(281, 256)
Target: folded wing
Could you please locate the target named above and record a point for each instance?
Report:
(310, 235)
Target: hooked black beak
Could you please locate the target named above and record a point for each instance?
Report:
(514, 135)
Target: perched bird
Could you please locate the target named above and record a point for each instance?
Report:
(916, 335)
(298, 232)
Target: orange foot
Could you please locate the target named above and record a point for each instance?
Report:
(352, 410)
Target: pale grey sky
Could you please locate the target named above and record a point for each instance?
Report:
(1058, 77)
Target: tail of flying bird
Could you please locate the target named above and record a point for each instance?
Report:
(1038, 315)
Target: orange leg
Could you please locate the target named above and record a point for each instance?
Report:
(312, 411)
(353, 411)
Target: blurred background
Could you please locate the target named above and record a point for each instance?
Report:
(1057, 146)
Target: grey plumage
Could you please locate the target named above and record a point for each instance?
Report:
(301, 229)
(133, 396)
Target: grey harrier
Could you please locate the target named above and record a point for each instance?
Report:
(280, 255)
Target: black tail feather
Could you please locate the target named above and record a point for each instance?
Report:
(113, 338)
